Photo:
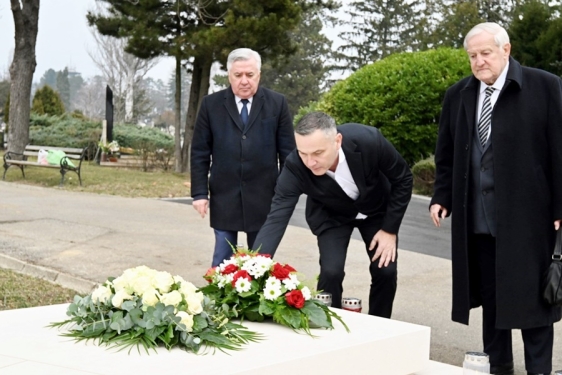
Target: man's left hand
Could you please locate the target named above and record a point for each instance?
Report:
(557, 224)
(385, 243)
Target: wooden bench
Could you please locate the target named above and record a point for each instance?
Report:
(20, 160)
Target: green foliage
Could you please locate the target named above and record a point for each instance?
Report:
(424, 176)
(535, 35)
(458, 19)
(47, 101)
(401, 95)
(302, 76)
(72, 131)
(63, 87)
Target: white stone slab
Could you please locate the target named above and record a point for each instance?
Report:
(374, 346)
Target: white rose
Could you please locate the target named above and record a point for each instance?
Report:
(163, 281)
(119, 297)
(173, 298)
(194, 305)
(101, 294)
(186, 319)
(150, 297)
(141, 284)
(187, 288)
(120, 283)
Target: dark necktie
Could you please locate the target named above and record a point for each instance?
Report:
(244, 112)
(485, 117)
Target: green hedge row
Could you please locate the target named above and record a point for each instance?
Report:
(401, 95)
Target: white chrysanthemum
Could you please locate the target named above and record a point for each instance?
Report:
(227, 262)
(194, 303)
(292, 282)
(186, 319)
(271, 292)
(119, 297)
(306, 293)
(173, 298)
(273, 282)
(163, 281)
(101, 294)
(242, 285)
(257, 266)
(150, 297)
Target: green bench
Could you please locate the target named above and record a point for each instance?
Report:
(21, 160)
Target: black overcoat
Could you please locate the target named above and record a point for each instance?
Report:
(245, 163)
(527, 145)
(382, 177)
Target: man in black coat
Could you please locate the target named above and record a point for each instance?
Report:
(499, 172)
(353, 178)
(242, 136)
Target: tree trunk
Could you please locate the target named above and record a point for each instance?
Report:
(200, 81)
(26, 19)
(129, 93)
(177, 112)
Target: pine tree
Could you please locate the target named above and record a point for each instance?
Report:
(377, 29)
(200, 33)
(47, 101)
(63, 87)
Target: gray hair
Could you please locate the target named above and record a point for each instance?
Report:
(242, 54)
(500, 35)
(313, 121)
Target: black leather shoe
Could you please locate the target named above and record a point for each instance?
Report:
(542, 373)
(505, 369)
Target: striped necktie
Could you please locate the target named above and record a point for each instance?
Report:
(485, 117)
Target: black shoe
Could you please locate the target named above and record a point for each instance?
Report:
(505, 369)
(542, 373)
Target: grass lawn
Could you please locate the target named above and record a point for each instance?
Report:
(20, 291)
(127, 182)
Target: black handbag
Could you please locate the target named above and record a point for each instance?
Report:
(552, 292)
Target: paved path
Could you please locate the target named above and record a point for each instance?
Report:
(78, 239)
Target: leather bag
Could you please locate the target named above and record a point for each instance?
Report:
(552, 291)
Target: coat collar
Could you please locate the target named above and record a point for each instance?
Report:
(469, 93)
(232, 109)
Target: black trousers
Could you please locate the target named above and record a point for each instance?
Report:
(333, 244)
(537, 341)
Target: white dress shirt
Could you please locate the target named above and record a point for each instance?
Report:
(240, 105)
(343, 177)
(498, 85)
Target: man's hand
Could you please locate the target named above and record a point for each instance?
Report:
(557, 224)
(201, 206)
(437, 213)
(385, 243)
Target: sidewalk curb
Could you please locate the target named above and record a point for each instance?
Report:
(66, 281)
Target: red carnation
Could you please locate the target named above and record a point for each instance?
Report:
(231, 268)
(295, 298)
(241, 274)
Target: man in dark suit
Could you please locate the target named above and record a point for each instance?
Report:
(353, 178)
(499, 171)
(242, 136)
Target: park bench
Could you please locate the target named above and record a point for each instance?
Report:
(21, 160)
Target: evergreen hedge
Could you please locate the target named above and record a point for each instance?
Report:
(71, 131)
(401, 95)
(47, 101)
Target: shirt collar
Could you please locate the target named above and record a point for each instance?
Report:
(498, 85)
(238, 99)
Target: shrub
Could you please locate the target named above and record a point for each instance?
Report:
(424, 176)
(401, 95)
(47, 101)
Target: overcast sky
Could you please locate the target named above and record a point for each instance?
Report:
(64, 39)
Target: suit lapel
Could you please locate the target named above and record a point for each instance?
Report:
(232, 108)
(468, 97)
(257, 105)
(355, 164)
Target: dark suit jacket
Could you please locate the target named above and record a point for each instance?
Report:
(245, 163)
(527, 163)
(382, 176)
